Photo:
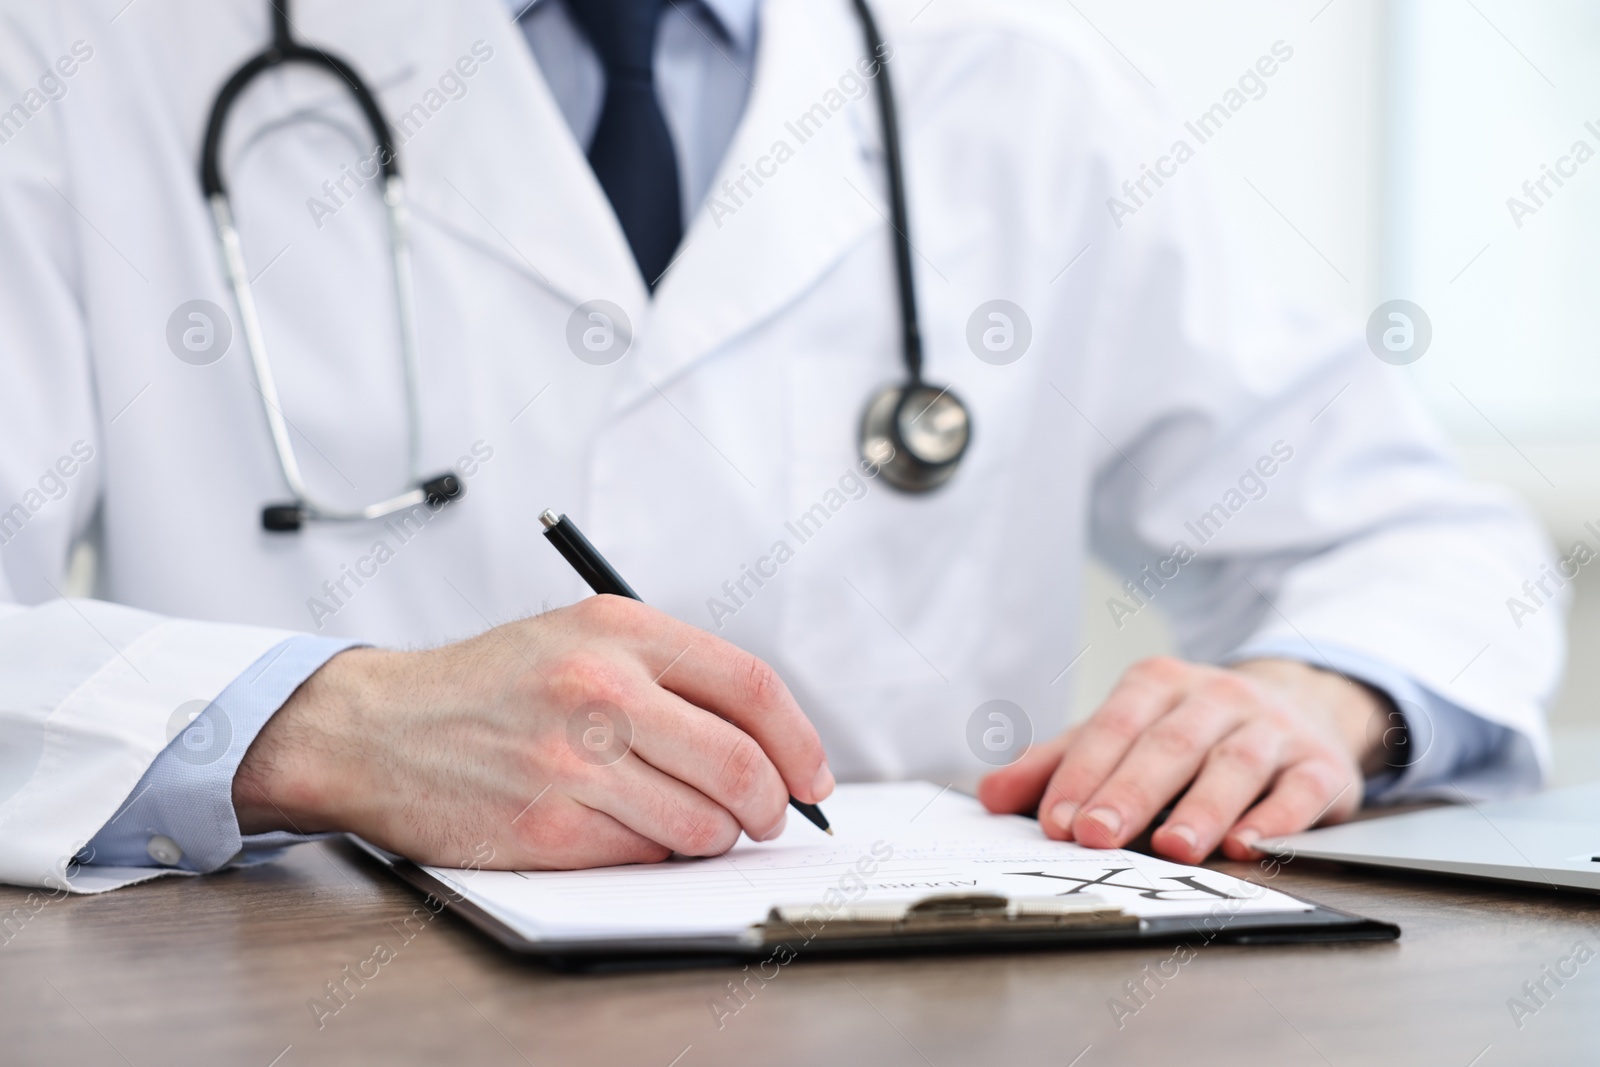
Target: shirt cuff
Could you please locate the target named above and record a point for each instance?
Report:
(181, 815)
(1446, 745)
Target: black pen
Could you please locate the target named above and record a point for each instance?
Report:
(603, 578)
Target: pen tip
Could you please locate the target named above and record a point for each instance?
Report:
(829, 831)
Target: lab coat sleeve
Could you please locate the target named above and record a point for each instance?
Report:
(91, 693)
(1266, 481)
(186, 796)
(88, 689)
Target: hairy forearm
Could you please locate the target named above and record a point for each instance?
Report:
(294, 776)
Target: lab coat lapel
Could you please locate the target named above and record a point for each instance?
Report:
(799, 186)
(501, 169)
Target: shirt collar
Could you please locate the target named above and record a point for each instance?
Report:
(737, 18)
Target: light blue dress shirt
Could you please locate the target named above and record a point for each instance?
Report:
(181, 812)
(705, 54)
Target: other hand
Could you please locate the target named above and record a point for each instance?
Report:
(1264, 748)
(597, 734)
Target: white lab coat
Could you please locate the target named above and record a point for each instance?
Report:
(1154, 380)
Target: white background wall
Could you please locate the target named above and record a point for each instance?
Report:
(1377, 166)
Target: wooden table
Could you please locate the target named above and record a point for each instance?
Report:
(220, 971)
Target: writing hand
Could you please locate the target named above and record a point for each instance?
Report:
(602, 733)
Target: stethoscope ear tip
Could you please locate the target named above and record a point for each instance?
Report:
(282, 518)
(442, 489)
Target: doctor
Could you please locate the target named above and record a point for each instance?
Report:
(654, 282)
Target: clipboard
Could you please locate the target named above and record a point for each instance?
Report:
(933, 873)
(940, 924)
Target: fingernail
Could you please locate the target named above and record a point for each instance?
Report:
(1184, 834)
(822, 784)
(777, 827)
(1062, 814)
(1107, 818)
(1248, 838)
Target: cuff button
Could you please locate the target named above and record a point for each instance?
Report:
(164, 850)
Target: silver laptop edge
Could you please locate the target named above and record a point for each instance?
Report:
(1550, 839)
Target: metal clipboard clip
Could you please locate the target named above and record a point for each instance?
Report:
(960, 916)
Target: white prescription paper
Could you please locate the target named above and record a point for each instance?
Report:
(894, 842)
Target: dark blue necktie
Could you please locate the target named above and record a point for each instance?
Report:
(632, 149)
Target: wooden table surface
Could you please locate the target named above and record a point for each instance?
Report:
(220, 971)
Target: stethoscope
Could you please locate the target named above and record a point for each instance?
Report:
(914, 433)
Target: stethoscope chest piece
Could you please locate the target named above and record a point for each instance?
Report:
(915, 435)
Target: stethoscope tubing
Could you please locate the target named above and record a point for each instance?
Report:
(283, 51)
(910, 331)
